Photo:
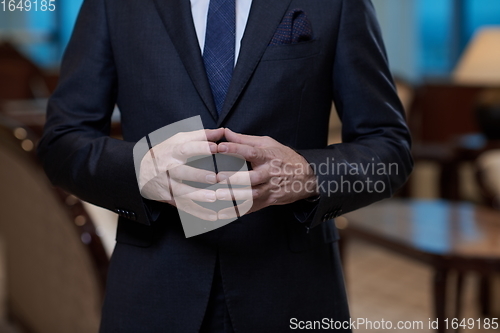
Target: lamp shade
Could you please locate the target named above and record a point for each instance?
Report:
(480, 63)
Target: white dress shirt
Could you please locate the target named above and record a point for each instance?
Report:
(199, 9)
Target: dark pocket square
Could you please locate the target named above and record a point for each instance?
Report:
(294, 28)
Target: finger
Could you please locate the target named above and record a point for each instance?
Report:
(226, 194)
(252, 177)
(194, 148)
(196, 210)
(231, 212)
(180, 190)
(186, 172)
(249, 153)
(200, 135)
(165, 187)
(250, 140)
(214, 135)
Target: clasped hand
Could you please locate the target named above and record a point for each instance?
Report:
(279, 175)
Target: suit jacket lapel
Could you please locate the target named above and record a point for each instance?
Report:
(178, 20)
(264, 18)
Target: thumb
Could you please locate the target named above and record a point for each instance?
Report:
(250, 140)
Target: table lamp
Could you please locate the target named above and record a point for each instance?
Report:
(480, 63)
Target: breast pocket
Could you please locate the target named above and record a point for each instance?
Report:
(291, 51)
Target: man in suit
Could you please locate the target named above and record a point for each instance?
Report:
(277, 268)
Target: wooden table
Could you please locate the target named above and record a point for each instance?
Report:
(449, 236)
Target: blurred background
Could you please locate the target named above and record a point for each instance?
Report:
(431, 252)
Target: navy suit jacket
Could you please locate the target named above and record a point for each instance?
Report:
(277, 263)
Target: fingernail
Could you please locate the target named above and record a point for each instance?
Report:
(223, 148)
(211, 179)
(210, 196)
(222, 177)
(213, 217)
(213, 149)
(223, 216)
(218, 194)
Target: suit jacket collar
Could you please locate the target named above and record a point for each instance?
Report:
(178, 20)
(263, 20)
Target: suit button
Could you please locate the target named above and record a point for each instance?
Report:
(125, 213)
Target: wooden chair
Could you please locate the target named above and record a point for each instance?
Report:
(439, 114)
(487, 167)
(55, 264)
(488, 162)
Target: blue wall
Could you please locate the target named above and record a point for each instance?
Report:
(422, 36)
(41, 35)
(399, 28)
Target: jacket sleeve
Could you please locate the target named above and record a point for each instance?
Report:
(76, 151)
(374, 159)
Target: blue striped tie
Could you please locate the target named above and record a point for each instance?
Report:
(219, 50)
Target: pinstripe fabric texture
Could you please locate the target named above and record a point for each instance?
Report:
(218, 53)
(294, 28)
